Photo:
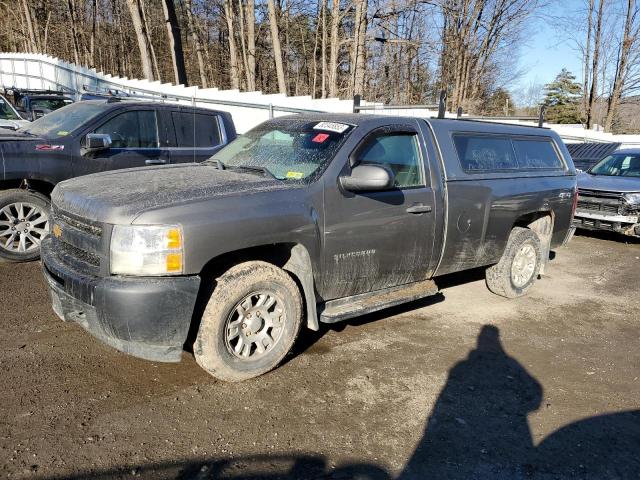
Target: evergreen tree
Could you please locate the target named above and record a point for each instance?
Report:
(562, 99)
(498, 104)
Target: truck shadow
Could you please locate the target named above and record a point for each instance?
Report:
(477, 429)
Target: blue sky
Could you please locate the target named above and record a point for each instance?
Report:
(544, 55)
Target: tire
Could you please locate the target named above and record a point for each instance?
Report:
(236, 316)
(20, 240)
(510, 279)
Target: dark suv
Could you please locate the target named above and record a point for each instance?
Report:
(89, 137)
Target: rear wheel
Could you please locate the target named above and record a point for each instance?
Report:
(519, 266)
(24, 222)
(250, 323)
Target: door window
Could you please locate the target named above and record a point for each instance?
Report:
(196, 130)
(399, 152)
(135, 129)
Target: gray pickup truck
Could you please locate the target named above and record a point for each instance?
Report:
(304, 219)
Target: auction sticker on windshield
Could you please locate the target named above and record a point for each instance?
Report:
(332, 127)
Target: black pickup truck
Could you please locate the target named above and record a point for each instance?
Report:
(305, 219)
(89, 137)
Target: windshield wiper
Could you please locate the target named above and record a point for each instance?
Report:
(216, 163)
(253, 169)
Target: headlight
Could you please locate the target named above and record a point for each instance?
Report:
(147, 250)
(632, 199)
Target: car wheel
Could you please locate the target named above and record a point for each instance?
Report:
(250, 322)
(24, 222)
(519, 266)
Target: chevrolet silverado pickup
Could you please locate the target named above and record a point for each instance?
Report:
(88, 137)
(302, 220)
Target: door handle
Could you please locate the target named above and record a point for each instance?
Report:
(155, 161)
(418, 208)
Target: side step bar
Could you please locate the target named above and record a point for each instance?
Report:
(337, 310)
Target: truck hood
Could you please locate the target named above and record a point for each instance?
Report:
(605, 183)
(118, 197)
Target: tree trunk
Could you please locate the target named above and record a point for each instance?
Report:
(193, 32)
(233, 53)
(593, 95)
(32, 39)
(251, 44)
(277, 50)
(587, 59)
(323, 51)
(175, 42)
(358, 57)
(154, 58)
(334, 50)
(135, 9)
(628, 40)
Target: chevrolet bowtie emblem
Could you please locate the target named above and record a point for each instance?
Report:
(57, 231)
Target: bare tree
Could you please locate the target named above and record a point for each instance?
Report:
(175, 42)
(277, 50)
(629, 37)
(195, 37)
(135, 9)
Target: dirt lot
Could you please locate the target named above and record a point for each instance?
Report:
(464, 385)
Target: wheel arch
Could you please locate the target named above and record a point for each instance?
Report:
(541, 223)
(41, 186)
(294, 258)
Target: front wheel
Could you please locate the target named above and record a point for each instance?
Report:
(250, 323)
(519, 266)
(24, 222)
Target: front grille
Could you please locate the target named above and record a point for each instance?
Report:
(595, 206)
(66, 249)
(603, 202)
(78, 242)
(80, 225)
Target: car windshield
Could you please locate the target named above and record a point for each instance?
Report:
(618, 165)
(64, 120)
(49, 104)
(286, 150)
(6, 112)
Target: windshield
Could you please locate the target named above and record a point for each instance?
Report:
(618, 165)
(64, 120)
(288, 150)
(6, 112)
(49, 104)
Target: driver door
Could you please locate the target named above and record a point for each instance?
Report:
(134, 137)
(380, 239)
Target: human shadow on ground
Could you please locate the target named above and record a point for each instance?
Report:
(477, 430)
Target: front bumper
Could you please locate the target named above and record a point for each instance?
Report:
(625, 224)
(145, 317)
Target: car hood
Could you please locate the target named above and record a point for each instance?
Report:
(605, 183)
(8, 135)
(12, 124)
(118, 197)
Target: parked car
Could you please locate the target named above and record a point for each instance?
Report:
(10, 119)
(88, 137)
(33, 104)
(304, 219)
(609, 194)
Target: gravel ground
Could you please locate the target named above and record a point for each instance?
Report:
(463, 385)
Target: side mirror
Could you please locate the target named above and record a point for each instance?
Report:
(368, 178)
(97, 142)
